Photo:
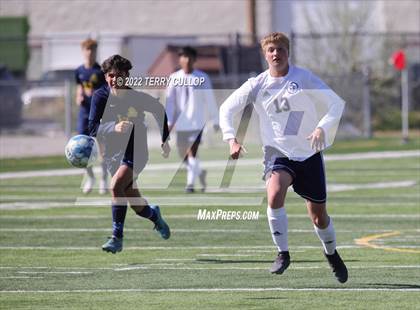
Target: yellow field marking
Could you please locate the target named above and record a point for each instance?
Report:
(366, 241)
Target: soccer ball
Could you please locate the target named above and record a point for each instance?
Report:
(81, 151)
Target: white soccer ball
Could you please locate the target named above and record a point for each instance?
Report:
(81, 151)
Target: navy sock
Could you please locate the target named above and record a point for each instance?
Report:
(148, 213)
(118, 217)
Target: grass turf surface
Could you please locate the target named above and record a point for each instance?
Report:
(51, 258)
(383, 142)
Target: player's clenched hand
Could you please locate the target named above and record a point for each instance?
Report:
(166, 149)
(317, 138)
(236, 149)
(123, 126)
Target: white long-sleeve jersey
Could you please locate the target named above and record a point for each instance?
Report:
(289, 110)
(190, 101)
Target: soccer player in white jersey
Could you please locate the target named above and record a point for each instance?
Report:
(189, 103)
(299, 116)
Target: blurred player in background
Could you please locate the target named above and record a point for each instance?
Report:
(89, 77)
(187, 107)
(287, 99)
(117, 119)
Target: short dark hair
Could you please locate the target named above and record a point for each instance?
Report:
(188, 51)
(117, 63)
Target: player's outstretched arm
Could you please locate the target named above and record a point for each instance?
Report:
(166, 149)
(153, 106)
(322, 94)
(172, 111)
(79, 94)
(212, 109)
(236, 149)
(235, 103)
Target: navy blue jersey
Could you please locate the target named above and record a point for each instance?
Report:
(107, 110)
(90, 79)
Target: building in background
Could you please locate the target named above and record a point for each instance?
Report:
(339, 40)
(142, 29)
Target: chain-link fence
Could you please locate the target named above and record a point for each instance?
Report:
(357, 66)
(354, 65)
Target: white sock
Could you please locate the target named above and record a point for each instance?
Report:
(89, 172)
(277, 220)
(194, 163)
(327, 237)
(190, 174)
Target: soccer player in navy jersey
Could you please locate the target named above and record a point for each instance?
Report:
(117, 118)
(89, 77)
(298, 115)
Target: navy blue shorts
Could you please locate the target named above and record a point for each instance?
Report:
(112, 164)
(308, 175)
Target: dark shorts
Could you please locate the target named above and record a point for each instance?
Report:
(135, 156)
(189, 140)
(308, 175)
(137, 164)
(113, 163)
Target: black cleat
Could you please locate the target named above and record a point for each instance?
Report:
(338, 267)
(281, 263)
(189, 189)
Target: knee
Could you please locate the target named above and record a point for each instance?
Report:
(117, 189)
(320, 220)
(275, 199)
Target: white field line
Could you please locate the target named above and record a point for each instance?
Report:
(192, 216)
(21, 277)
(331, 187)
(379, 185)
(224, 255)
(390, 246)
(175, 259)
(20, 198)
(55, 272)
(178, 266)
(195, 201)
(267, 251)
(107, 229)
(70, 270)
(168, 248)
(214, 164)
(106, 203)
(182, 201)
(213, 290)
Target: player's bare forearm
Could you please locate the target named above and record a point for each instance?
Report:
(79, 94)
(166, 149)
(235, 148)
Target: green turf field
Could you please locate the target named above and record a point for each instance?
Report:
(51, 236)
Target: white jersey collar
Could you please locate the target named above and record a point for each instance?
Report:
(280, 79)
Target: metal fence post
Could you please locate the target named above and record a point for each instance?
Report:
(67, 108)
(367, 127)
(405, 104)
